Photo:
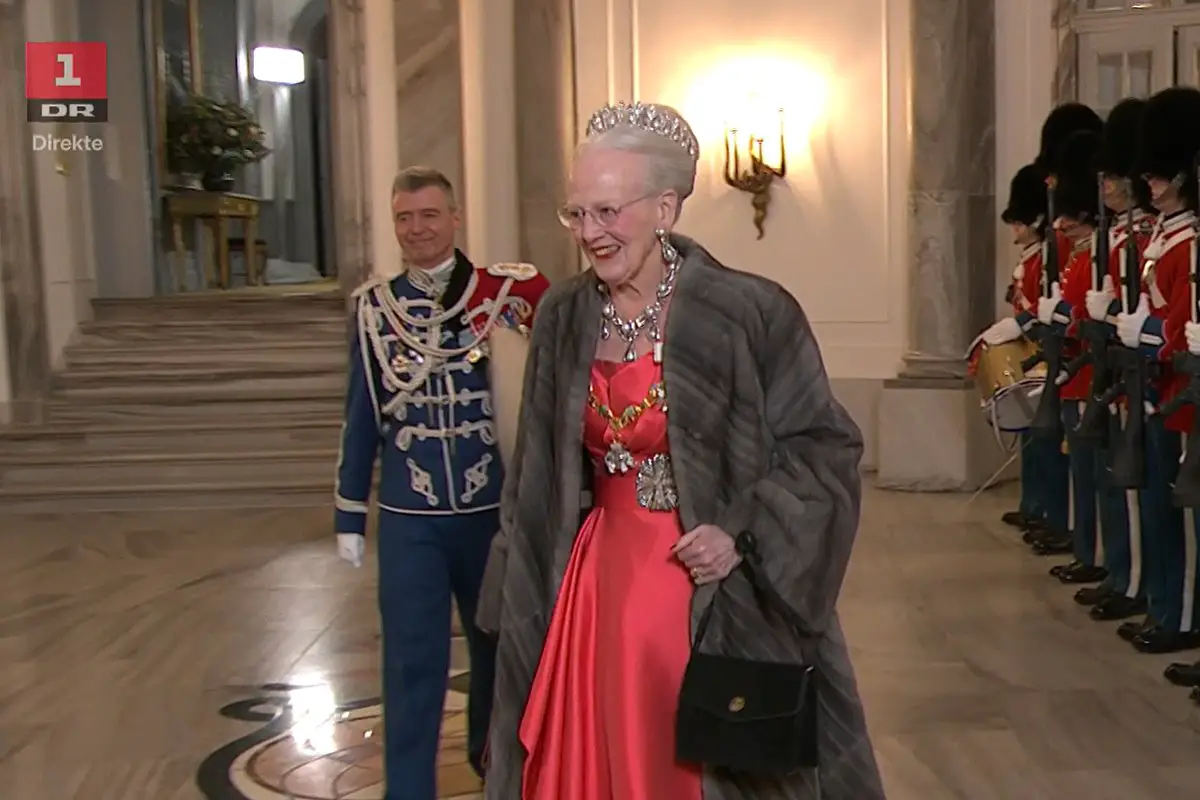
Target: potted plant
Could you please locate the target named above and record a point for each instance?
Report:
(207, 139)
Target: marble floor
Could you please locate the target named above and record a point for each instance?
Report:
(229, 655)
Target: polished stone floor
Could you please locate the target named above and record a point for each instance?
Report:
(143, 656)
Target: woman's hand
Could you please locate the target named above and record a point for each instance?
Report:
(708, 552)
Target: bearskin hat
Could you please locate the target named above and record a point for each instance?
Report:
(1077, 188)
(1118, 149)
(1169, 135)
(1026, 197)
(1061, 123)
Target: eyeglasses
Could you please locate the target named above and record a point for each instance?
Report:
(604, 216)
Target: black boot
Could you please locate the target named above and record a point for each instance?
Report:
(1183, 674)
(1078, 572)
(1116, 606)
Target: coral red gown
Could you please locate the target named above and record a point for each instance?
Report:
(600, 721)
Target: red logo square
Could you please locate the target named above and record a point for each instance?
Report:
(66, 71)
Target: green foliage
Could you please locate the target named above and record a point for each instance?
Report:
(210, 137)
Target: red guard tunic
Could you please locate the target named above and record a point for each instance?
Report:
(1166, 267)
(1026, 290)
(1077, 278)
(1031, 283)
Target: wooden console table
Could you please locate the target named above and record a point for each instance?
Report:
(214, 209)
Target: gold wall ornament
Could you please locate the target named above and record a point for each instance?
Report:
(758, 177)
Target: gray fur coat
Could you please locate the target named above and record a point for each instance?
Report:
(758, 443)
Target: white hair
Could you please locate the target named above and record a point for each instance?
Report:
(670, 166)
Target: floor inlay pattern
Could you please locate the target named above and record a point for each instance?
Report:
(313, 749)
(146, 655)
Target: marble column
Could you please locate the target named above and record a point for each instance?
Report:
(429, 88)
(22, 289)
(932, 436)
(489, 125)
(1065, 85)
(952, 204)
(351, 197)
(546, 131)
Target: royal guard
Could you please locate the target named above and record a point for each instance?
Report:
(1099, 506)
(1043, 510)
(419, 399)
(1121, 595)
(1169, 140)
(1063, 121)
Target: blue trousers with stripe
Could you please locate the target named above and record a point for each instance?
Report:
(423, 561)
(1180, 554)
(1162, 544)
(1123, 540)
(1098, 508)
(1045, 485)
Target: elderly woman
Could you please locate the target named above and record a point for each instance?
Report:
(670, 403)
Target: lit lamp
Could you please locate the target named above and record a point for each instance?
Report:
(758, 177)
(281, 65)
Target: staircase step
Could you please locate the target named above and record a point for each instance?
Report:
(99, 406)
(181, 496)
(282, 375)
(181, 436)
(214, 355)
(146, 470)
(166, 385)
(256, 305)
(198, 333)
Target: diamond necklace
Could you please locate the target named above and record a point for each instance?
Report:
(646, 323)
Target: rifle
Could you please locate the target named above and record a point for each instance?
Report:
(1097, 338)
(1186, 493)
(1128, 453)
(1047, 420)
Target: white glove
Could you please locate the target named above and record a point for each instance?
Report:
(1006, 330)
(1192, 332)
(1129, 326)
(1047, 305)
(1099, 302)
(350, 548)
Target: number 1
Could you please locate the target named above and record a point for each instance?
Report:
(68, 71)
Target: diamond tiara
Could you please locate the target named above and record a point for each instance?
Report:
(663, 120)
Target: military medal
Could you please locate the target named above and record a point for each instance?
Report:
(618, 459)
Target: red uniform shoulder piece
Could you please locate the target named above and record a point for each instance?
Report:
(525, 286)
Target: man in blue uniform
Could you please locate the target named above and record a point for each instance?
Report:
(419, 400)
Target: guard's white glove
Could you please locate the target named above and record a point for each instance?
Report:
(351, 547)
(1006, 330)
(1047, 305)
(1129, 326)
(1099, 302)
(1192, 332)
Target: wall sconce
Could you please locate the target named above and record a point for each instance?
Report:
(757, 179)
(281, 65)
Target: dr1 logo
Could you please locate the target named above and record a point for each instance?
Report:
(66, 81)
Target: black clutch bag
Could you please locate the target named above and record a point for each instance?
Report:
(754, 717)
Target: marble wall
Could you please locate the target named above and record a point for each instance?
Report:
(22, 289)
(952, 202)
(429, 86)
(429, 107)
(546, 131)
